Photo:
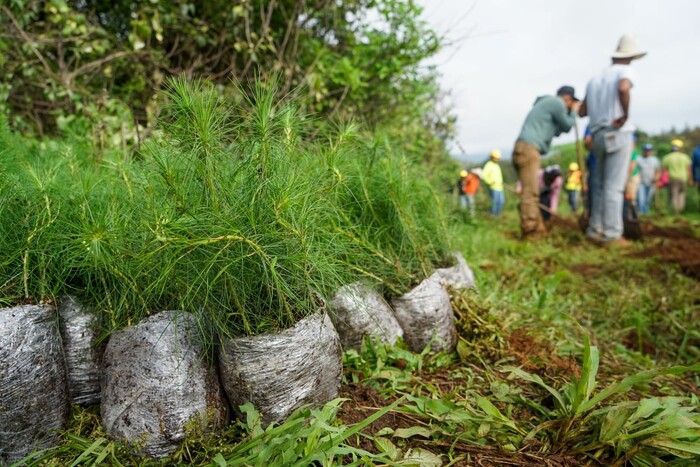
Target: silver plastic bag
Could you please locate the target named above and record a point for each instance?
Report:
(33, 394)
(279, 372)
(360, 311)
(156, 379)
(425, 314)
(79, 335)
(459, 276)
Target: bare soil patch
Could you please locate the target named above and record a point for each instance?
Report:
(538, 357)
(678, 245)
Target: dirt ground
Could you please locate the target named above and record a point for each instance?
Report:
(676, 245)
(525, 350)
(364, 401)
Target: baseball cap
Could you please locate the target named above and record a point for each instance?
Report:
(648, 147)
(567, 90)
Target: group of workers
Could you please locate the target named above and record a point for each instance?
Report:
(616, 172)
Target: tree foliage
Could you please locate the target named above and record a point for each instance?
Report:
(89, 62)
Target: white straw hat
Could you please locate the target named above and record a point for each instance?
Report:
(627, 48)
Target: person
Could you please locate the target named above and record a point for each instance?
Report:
(573, 185)
(492, 176)
(696, 169)
(633, 177)
(607, 104)
(590, 168)
(551, 182)
(649, 174)
(461, 184)
(550, 116)
(678, 166)
(471, 186)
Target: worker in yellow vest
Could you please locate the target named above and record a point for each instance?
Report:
(492, 176)
(573, 185)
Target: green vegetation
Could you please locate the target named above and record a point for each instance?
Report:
(249, 205)
(569, 353)
(226, 213)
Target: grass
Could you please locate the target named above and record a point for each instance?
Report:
(546, 372)
(567, 352)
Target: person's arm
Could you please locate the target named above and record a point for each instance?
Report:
(564, 117)
(623, 90)
(691, 179)
(657, 174)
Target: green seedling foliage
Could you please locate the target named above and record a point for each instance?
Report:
(389, 211)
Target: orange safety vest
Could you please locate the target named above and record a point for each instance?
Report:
(471, 184)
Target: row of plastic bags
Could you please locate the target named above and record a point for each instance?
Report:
(154, 377)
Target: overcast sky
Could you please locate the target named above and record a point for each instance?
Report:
(507, 52)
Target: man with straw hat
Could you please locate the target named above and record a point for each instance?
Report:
(607, 103)
(549, 117)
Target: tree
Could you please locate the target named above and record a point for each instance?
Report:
(83, 58)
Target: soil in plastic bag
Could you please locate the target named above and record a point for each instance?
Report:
(155, 379)
(33, 393)
(360, 311)
(425, 314)
(459, 276)
(280, 372)
(79, 335)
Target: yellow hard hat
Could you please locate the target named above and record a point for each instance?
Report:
(496, 154)
(573, 166)
(677, 143)
(463, 173)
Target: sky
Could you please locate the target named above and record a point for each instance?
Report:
(505, 53)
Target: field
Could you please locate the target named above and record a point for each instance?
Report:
(568, 354)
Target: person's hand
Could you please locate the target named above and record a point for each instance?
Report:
(575, 105)
(620, 121)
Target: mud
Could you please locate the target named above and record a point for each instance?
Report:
(676, 245)
(539, 357)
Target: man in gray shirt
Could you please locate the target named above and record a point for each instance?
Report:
(607, 102)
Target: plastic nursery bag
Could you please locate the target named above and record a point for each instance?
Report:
(155, 379)
(79, 336)
(459, 276)
(360, 311)
(425, 314)
(33, 395)
(279, 372)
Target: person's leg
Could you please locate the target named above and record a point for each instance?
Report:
(526, 159)
(643, 199)
(571, 196)
(674, 189)
(595, 220)
(463, 201)
(614, 178)
(646, 192)
(650, 197)
(681, 196)
(492, 195)
(470, 203)
(499, 201)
